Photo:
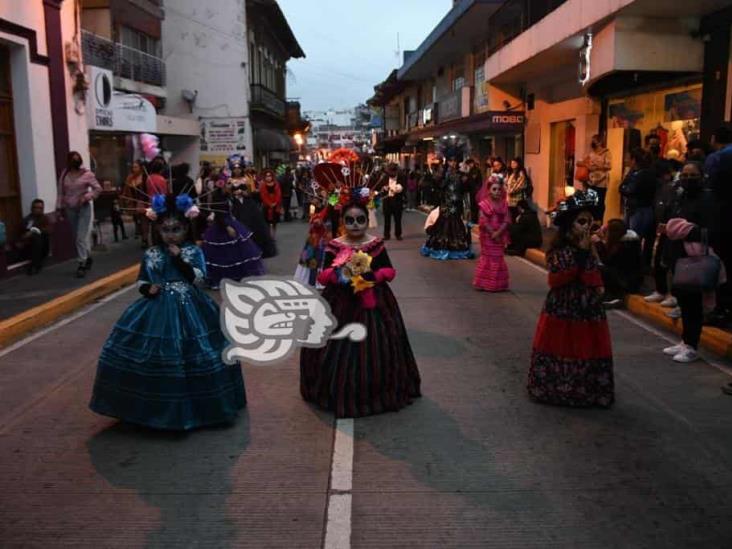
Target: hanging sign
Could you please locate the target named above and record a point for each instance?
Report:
(224, 136)
(115, 111)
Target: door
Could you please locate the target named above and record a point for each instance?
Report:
(11, 212)
(561, 161)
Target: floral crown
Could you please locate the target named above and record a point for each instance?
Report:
(162, 204)
(347, 182)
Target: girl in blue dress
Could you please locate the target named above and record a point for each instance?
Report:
(162, 366)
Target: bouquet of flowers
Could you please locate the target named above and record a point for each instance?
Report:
(355, 270)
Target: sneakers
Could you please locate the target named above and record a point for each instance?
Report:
(612, 303)
(669, 302)
(674, 349)
(655, 297)
(674, 313)
(688, 354)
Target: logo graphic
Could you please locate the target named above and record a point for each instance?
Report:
(266, 318)
(103, 90)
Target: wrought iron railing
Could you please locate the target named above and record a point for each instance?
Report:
(514, 17)
(265, 99)
(122, 60)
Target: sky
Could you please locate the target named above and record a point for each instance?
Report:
(350, 45)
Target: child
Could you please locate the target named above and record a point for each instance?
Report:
(161, 366)
(379, 374)
(313, 254)
(117, 222)
(491, 273)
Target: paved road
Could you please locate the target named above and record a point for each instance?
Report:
(471, 464)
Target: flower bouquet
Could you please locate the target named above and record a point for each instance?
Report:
(355, 270)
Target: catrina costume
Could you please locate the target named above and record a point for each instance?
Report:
(379, 374)
(161, 366)
(571, 360)
(312, 256)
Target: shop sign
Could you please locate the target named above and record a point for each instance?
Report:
(223, 136)
(114, 111)
(507, 121)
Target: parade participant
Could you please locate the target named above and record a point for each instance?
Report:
(571, 361)
(392, 200)
(319, 234)
(271, 196)
(491, 272)
(379, 374)
(449, 238)
(245, 209)
(229, 247)
(161, 366)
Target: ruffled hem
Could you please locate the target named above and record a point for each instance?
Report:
(445, 255)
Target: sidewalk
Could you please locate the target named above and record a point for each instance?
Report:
(31, 302)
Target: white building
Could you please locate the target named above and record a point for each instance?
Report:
(206, 53)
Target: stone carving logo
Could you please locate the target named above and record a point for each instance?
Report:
(266, 318)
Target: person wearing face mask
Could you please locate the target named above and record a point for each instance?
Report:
(77, 189)
(161, 367)
(491, 272)
(571, 360)
(693, 223)
(639, 191)
(379, 374)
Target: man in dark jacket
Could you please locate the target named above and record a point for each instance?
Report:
(639, 191)
(287, 183)
(392, 192)
(34, 242)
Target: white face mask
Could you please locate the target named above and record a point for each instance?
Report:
(356, 222)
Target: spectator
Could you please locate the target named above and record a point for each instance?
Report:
(517, 187)
(118, 223)
(287, 183)
(598, 162)
(694, 213)
(34, 242)
(134, 196)
(639, 190)
(182, 183)
(77, 188)
(412, 187)
(156, 183)
(526, 232)
(619, 251)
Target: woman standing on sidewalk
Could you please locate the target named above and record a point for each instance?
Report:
(135, 198)
(77, 188)
(491, 272)
(571, 361)
(271, 195)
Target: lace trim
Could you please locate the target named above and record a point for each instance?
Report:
(257, 258)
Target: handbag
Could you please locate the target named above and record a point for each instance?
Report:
(582, 174)
(698, 273)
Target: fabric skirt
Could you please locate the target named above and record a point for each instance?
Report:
(161, 366)
(571, 361)
(355, 379)
(491, 272)
(449, 238)
(232, 258)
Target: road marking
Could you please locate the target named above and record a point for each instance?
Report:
(338, 522)
(647, 327)
(68, 320)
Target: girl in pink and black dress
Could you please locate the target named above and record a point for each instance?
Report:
(571, 360)
(491, 273)
(379, 374)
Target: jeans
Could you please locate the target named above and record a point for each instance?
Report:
(81, 220)
(642, 222)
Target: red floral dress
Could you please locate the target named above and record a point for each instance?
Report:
(571, 361)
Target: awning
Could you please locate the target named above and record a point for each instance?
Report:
(266, 139)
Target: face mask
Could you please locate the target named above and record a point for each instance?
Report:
(76, 163)
(691, 183)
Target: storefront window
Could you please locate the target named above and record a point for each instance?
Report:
(111, 156)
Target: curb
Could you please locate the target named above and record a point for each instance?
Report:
(713, 339)
(14, 328)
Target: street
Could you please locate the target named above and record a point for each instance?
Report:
(473, 463)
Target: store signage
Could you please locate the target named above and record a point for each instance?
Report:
(115, 111)
(223, 136)
(507, 121)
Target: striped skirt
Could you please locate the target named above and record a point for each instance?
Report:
(491, 272)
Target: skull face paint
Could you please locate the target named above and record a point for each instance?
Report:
(356, 221)
(172, 231)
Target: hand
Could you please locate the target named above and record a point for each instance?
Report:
(174, 250)
(154, 290)
(231, 231)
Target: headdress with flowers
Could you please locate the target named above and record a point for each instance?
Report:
(579, 201)
(165, 205)
(347, 181)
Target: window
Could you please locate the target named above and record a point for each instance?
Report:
(139, 41)
(458, 83)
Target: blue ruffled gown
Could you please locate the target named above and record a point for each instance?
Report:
(449, 238)
(161, 366)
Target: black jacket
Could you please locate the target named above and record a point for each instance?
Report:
(639, 189)
(701, 208)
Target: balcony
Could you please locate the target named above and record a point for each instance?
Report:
(412, 120)
(514, 17)
(264, 99)
(123, 61)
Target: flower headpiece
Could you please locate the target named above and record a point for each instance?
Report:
(580, 200)
(162, 204)
(350, 180)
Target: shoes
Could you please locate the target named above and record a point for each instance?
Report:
(674, 349)
(399, 238)
(669, 302)
(80, 271)
(674, 313)
(612, 303)
(655, 297)
(688, 354)
(88, 264)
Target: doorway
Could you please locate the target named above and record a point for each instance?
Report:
(11, 211)
(562, 160)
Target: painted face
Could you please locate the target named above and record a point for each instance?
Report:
(172, 231)
(356, 222)
(496, 190)
(582, 224)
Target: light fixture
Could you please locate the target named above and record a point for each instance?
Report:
(189, 97)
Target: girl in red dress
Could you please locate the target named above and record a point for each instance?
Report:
(491, 273)
(571, 361)
(271, 195)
